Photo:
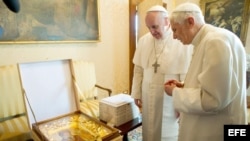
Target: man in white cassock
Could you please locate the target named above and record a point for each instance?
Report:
(214, 92)
(158, 58)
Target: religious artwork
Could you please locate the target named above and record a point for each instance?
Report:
(50, 21)
(229, 14)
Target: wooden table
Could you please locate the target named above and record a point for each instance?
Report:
(129, 126)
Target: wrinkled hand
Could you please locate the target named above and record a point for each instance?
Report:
(169, 88)
(177, 83)
(170, 85)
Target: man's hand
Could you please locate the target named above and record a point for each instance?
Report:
(177, 83)
(138, 102)
(170, 85)
(169, 88)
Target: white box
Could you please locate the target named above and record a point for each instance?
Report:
(118, 109)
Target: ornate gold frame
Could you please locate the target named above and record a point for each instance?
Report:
(49, 21)
(214, 10)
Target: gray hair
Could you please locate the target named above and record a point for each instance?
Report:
(185, 10)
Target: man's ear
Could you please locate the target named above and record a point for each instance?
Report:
(190, 21)
(167, 21)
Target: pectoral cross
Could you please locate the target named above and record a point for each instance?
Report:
(156, 65)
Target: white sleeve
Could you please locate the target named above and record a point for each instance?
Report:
(137, 82)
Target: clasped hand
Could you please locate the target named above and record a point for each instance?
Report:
(170, 85)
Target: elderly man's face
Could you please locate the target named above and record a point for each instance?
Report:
(182, 32)
(156, 24)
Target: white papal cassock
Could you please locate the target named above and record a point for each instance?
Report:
(157, 108)
(207, 103)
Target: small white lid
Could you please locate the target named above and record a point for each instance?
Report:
(118, 100)
(49, 89)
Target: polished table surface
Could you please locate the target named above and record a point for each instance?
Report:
(129, 126)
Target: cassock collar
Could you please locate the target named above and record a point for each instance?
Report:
(199, 36)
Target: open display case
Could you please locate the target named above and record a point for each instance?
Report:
(53, 107)
(74, 127)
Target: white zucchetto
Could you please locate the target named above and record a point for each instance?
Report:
(158, 8)
(187, 7)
